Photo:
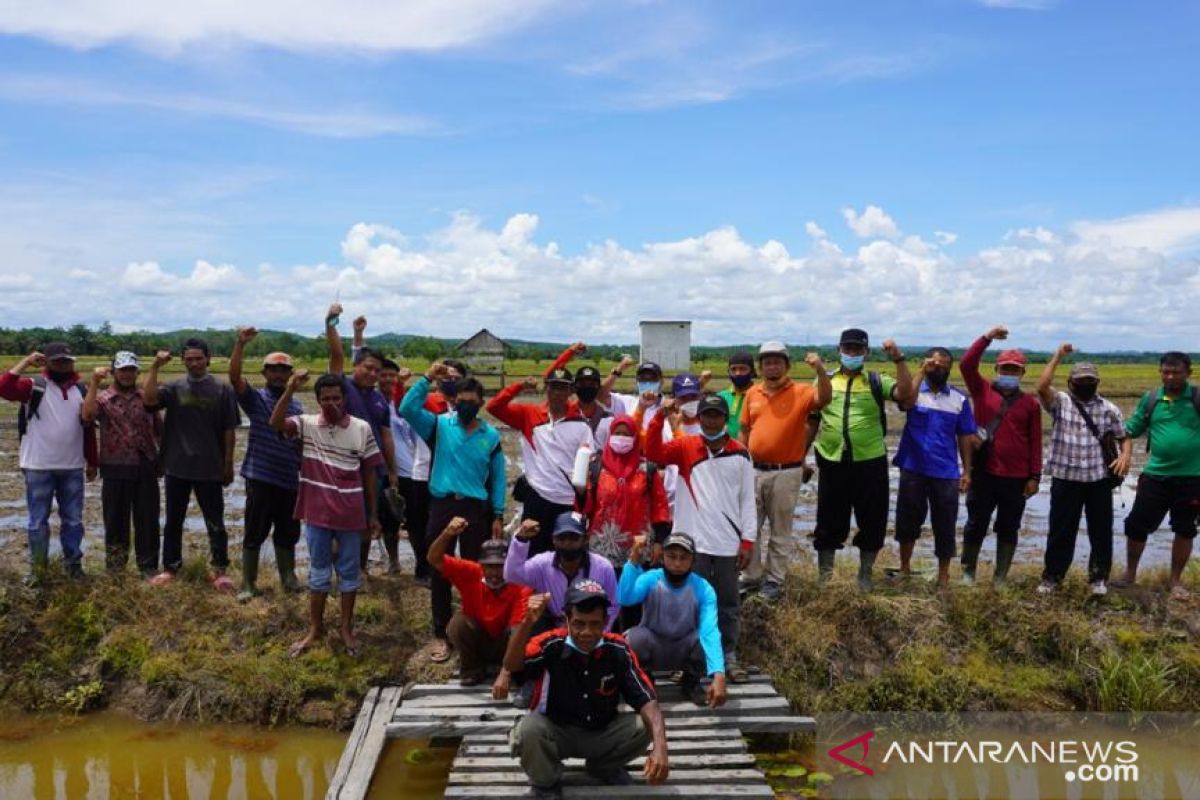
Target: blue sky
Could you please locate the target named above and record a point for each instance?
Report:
(562, 169)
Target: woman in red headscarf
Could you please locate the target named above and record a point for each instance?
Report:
(624, 497)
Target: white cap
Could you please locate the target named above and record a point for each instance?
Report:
(123, 359)
(773, 348)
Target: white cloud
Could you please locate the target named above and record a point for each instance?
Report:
(295, 25)
(332, 122)
(945, 237)
(814, 230)
(1168, 230)
(147, 277)
(873, 221)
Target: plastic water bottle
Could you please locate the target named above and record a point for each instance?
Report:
(579, 472)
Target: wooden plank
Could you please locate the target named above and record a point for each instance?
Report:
(727, 745)
(456, 727)
(578, 777)
(635, 792)
(361, 724)
(486, 763)
(738, 706)
(673, 734)
(420, 690)
(369, 747)
(468, 698)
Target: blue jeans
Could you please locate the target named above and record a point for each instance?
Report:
(320, 558)
(42, 487)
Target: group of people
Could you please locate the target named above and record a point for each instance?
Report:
(645, 518)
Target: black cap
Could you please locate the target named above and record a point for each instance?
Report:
(560, 375)
(493, 551)
(854, 336)
(583, 590)
(743, 358)
(649, 366)
(56, 350)
(713, 402)
(569, 522)
(680, 540)
(587, 372)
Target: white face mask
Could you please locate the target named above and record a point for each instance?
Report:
(620, 444)
(690, 409)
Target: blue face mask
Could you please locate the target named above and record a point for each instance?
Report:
(852, 362)
(712, 437)
(649, 386)
(1006, 383)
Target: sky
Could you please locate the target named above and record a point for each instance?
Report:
(561, 170)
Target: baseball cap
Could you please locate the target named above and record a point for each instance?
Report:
(493, 551)
(1084, 369)
(277, 360)
(560, 375)
(743, 358)
(123, 359)
(56, 350)
(680, 540)
(649, 366)
(1012, 356)
(583, 590)
(569, 523)
(685, 385)
(854, 336)
(713, 402)
(587, 372)
(773, 348)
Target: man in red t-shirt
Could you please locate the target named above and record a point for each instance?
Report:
(490, 607)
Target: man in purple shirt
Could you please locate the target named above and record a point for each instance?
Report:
(553, 572)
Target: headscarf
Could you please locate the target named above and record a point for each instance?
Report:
(621, 466)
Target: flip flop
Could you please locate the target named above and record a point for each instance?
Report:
(441, 652)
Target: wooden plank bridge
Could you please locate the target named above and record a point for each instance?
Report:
(708, 754)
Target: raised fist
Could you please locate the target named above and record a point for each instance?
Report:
(998, 332)
(246, 334)
(162, 357)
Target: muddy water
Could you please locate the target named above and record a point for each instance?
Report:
(110, 757)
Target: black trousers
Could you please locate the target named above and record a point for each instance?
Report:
(131, 493)
(1005, 497)
(1068, 501)
(538, 508)
(920, 496)
(858, 486)
(1156, 496)
(270, 507)
(478, 515)
(416, 522)
(389, 525)
(210, 496)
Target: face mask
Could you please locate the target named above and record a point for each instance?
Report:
(1006, 383)
(570, 556)
(466, 411)
(648, 386)
(676, 580)
(60, 377)
(690, 408)
(712, 437)
(937, 377)
(1084, 391)
(449, 388)
(852, 363)
(741, 381)
(587, 394)
(621, 444)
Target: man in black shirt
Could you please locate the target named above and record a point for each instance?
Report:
(580, 674)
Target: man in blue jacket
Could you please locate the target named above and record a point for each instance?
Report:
(679, 628)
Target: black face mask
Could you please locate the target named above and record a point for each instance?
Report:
(59, 377)
(570, 556)
(1084, 391)
(937, 377)
(466, 410)
(587, 394)
(449, 387)
(741, 381)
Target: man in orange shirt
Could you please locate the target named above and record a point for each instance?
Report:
(774, 428)
(491, 608)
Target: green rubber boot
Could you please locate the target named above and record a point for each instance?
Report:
(866, 564)
(285, 560)
(970, 558)
(249, 575)
(1004, 559)
(825, 564)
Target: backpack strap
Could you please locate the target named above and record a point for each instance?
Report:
(876, 384)
(29, 409)
(1149, 401)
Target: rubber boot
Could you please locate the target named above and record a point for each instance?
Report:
(970, 557)
(285, 560)
(249, 574)
(825, 564)
(1004, 559)
(866, 563)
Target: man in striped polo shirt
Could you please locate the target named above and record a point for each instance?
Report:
(338, 460)
(271, 468)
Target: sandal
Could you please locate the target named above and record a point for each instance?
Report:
(736, 673)
(441, 652)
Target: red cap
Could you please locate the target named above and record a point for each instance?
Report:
(1011, 357)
